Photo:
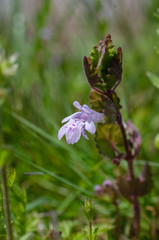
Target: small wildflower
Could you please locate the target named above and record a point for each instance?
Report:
(107, 184)
(110, 189)
(78, 122)
(98, 191)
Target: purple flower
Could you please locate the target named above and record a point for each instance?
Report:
(78, 122)
(98, 191)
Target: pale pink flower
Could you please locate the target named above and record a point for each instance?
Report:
(78, 122)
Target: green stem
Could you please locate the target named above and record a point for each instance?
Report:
(90, 230)
(117, 221)
(5, 193)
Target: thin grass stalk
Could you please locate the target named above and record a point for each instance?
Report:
(6, 202)
(5, 190)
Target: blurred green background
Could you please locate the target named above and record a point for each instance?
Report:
(51, 38)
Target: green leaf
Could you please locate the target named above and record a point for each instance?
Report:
(95, 230)
(154, 79)
(108, 135)
(29, 161)
(4, 156)
(104, 66)
(27, 236)
(156, 141)
(96, 101)
(11, 178)
(116, 101)
(101, 103)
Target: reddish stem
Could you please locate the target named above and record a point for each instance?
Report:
(129, 158)
(136, 222)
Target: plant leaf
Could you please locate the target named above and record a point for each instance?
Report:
(156, 141)
(101, 103)
(104, 66)
(135, 187)
(108, 135)
(11, 178)
(96, 101)
(154, 79)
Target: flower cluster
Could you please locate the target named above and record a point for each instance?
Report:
(78, 122)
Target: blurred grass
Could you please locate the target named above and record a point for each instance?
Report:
(51, 39)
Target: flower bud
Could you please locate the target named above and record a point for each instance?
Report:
(110, 189)
(107, 184)
(89, 209)
(98, 191)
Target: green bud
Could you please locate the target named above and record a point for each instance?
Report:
(89, 209)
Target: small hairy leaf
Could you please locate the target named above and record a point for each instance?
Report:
(96, 101)
(104, 66)
(101, 103)
(108, 136)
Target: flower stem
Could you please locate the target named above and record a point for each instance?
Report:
(129, 158)
(6, 207)
(136, 222)
(117, 222)
(90, 230)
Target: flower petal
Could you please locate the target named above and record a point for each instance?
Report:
(96, 117)
(62, 131)
(74, 115)
(90, 127)
(79, 122)
(84, 134)
(73, 134)
(77, 105)
(86, 109)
